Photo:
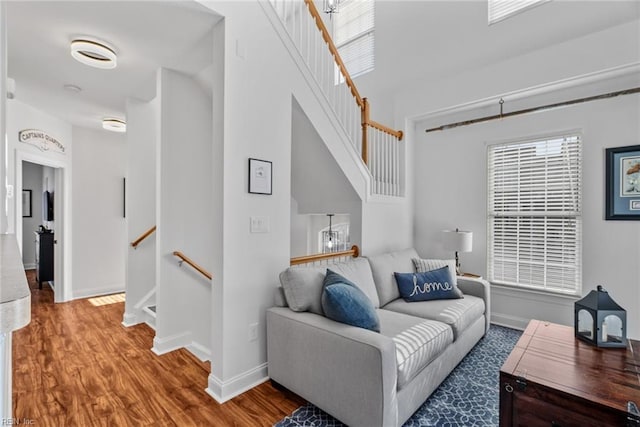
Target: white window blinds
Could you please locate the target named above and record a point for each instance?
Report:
(535, 214)
(353, 35)
(502, 9)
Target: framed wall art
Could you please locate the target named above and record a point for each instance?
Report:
(622, 183)
(260, 174)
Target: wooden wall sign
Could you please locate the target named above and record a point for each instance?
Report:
(40, 139)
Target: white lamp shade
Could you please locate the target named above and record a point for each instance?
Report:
(457, 240)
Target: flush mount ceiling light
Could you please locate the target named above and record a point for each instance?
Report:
(93, 53)
(114, 125)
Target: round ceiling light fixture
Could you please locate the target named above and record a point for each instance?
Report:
(93, 53)
(114, 125)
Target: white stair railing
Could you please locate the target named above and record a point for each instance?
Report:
(384, 163)
(378, 146)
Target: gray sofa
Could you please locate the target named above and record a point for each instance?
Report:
(361, 377)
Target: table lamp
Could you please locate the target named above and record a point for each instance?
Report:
(458, 241)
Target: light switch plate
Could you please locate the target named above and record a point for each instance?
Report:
(259, 224)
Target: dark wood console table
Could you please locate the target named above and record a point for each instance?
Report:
(552, 379)
(44, 257)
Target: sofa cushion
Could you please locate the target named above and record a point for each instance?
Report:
(383, 266)
(422, 264)
(303, 284)
(418, 342)
(459, 314)
(344, 302)
(427, 286)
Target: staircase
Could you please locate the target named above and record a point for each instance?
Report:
(150, 316)
(309, 42)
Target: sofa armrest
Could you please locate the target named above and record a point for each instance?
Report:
(479, 288)
(348, 372)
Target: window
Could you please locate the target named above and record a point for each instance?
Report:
(535, 214)
(353, 35)
(502, 9)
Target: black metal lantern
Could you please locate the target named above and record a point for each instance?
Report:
(600, 321)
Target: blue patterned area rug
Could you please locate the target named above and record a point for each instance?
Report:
(469, 396)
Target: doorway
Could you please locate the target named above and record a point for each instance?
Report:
(40, 208)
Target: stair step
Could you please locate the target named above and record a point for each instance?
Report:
(151, 310)
(150, 316)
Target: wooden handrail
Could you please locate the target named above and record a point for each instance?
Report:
(362, 102)
(334, 51)
(143, 236)
(397, 133)
(354, 251)
(189, 261)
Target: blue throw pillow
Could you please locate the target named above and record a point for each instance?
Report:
(344, 302)
(427, 286)
(332, 277)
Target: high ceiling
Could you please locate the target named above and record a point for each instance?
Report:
(146, 35)
(415, 40)
(428, 40)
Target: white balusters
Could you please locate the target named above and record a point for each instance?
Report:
(384, 158)
(384, 162)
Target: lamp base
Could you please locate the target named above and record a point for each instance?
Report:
(458, 269)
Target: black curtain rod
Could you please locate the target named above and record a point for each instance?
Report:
(534, 109)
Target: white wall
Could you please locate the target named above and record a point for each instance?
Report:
(592, 53)
(31, 180)
(260, 78)
(183, 206)
(142, 139)
(450, 179)
(454, 195)
(3, 122)
(99, 245)
(318, 185)
(23, 116)
(387, 222)
(298, 237)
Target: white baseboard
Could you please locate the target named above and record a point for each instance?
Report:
(96, 292)
(199, 351)
(174, 342)
(130, 319)
(30, 266)
(509, 321)
(183, 340)
(223, 391)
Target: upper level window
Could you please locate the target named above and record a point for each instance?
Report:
(535, 214)
(502, 9)
(353, 35)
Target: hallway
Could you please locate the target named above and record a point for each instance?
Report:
(76, 365)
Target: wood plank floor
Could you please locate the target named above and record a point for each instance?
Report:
(76, 365)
